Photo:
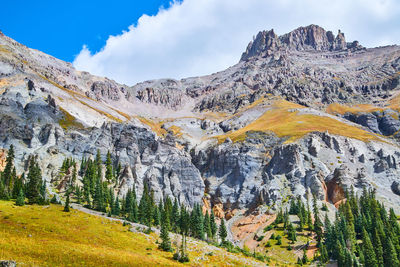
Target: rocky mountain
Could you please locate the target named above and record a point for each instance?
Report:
(302, 112)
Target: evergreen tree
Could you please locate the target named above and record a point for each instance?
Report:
(117, 208)
(175, 217)
(20, 199)
(33, 187)
(66, 207)
(18, 185)
(197, 222)
(144, 207)
(390, 254)
(291, 233)
(324, 258)
(213, 225)
(78, 194)
(369, 254)
(305, 258)
(157, 216)
(184, 221)
(378, 248)
(222, 231)
(8, 169)
(109, 168)
(98, 200)
(166, 242)
(74, 175)
(207, 226)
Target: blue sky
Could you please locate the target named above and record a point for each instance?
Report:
(60, 28)
(134, 41)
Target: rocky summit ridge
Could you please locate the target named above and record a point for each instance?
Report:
(304, 112)
(310, 38)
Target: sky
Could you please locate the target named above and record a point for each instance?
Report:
(134, 41)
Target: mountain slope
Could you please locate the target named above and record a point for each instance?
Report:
(303, 112)
(31, 236)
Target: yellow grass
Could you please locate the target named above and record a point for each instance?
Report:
(284, 120)
(68, 121)
(4, 49)
(77, 95)
(128, 117)
(155, 126)
(336, 108)
(176, 130)
(3, 82)
(101, 112)
(46, 236)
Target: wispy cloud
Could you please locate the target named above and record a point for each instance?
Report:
(197, 37)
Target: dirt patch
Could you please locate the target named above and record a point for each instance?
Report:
(245, 228)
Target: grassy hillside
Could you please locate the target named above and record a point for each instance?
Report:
(47, 236)
(285, 120)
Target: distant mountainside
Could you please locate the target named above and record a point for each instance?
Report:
(302, 112)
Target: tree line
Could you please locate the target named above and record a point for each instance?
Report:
(364, 233)
(32, 187)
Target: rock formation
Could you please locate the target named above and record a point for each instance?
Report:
(251, 136)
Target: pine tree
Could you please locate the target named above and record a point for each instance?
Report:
(369, 254)
(166, 242)
(324, 258)
(305, 258)
(378, 248)
(109, 168)
(291, 232)
(213, 225)
(197, 222)
(184, 221)
(222, 231)
(175, 217)
(390, 255)
(34, 183)
(43, 192)
(117, 208)
(348, 258)
(207, 226)
(8, 169)
(18, 185)
(144, 207)
(74, 175)
(20, 199)
(98, 200)
(78, 194)
(66, 207)
(157, 217)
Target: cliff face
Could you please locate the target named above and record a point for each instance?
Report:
(310, 38)
(305, 112)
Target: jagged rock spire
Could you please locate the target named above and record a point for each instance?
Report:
(312, 37)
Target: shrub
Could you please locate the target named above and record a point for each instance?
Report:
(268, 228)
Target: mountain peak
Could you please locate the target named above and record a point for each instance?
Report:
(309, 38)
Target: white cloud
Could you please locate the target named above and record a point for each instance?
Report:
(198, 37)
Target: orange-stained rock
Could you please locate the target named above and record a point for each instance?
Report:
(335, 191)
(229, 214)
(3, 157)
(206, 205)
(219, 211)
(245, 228)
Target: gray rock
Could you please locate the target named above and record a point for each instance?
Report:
(8, 263)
